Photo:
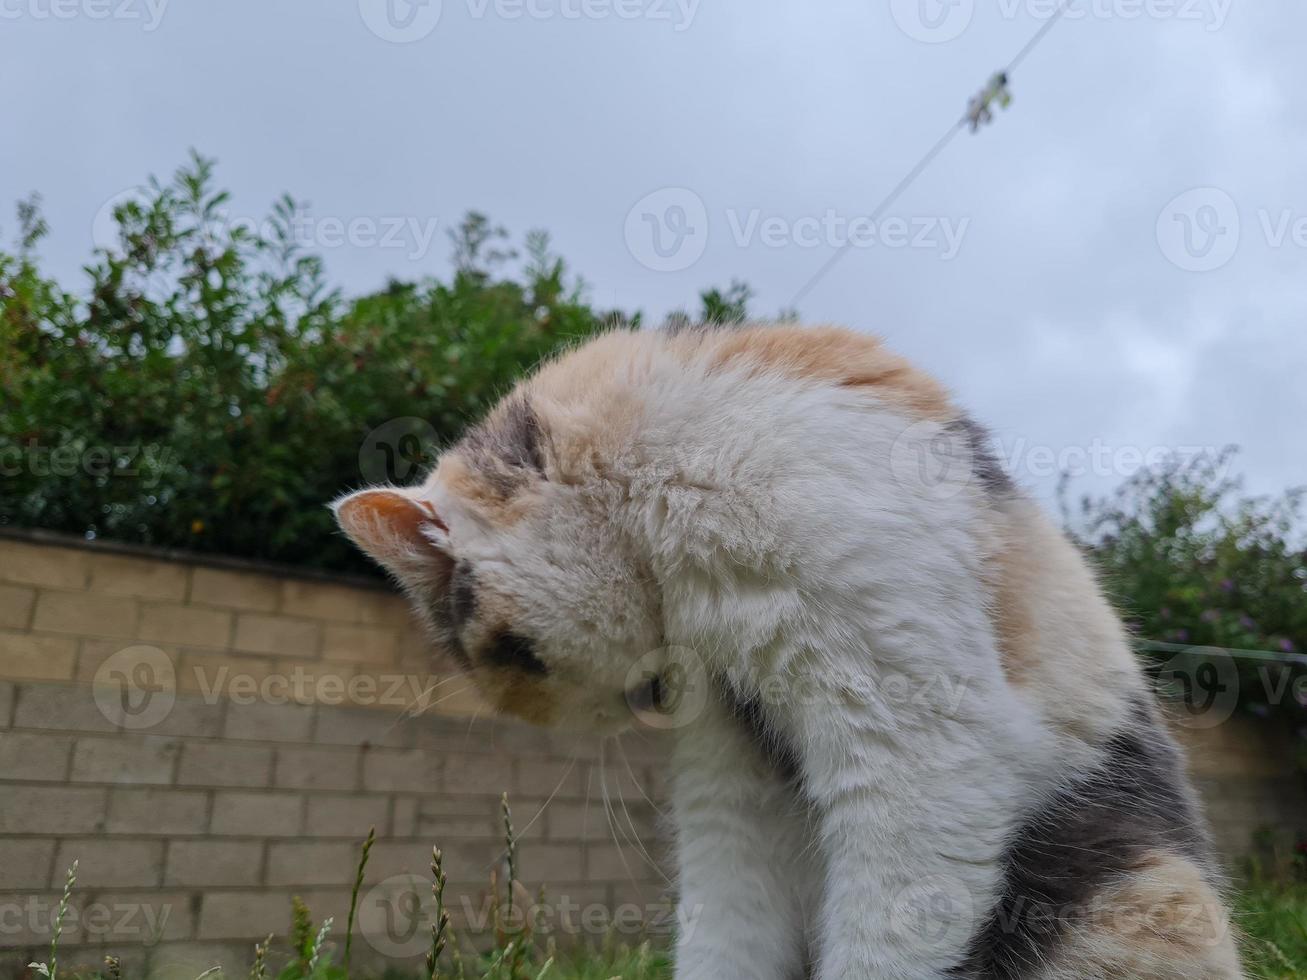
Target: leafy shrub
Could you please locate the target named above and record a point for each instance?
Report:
(213, 392)
(1193, 562)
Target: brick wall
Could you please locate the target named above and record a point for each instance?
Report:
(265, 730)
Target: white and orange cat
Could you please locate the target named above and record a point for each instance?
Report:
(926, 750)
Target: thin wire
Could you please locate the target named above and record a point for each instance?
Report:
(880, 208)
(1040, 34)
(927, 159)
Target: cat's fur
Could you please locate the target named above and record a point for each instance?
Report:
(926, 750)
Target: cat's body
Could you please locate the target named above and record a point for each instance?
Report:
(921, 747)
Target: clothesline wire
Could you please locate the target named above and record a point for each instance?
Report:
(920, 166)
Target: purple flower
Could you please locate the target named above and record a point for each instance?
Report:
(1246, 622)
(1210, 616)
(1286, 646)
(1227, 585)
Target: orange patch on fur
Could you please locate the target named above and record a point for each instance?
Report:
(520, 696)
(476, 489)
(1162, 921)
(1012, 578)
(833, 354)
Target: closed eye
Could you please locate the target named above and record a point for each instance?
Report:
(511, 651)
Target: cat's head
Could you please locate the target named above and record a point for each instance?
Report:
(515, 553)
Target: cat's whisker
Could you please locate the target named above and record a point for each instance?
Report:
(634, 837)
(585, 814)
(404, 717)
(475, 715)
(612, 825)
(626, 762)
(418, 706)
(462, 690)
(571, 764)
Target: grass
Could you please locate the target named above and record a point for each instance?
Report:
(1272, 917)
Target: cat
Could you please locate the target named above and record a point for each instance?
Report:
(911, 738)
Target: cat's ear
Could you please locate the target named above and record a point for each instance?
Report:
(400, 531)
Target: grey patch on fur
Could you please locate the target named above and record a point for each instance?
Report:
(462, 596)
(451, 603)
(506, 447)
(513, 651)
(776, 751)
(989, 471)
(1136, 802)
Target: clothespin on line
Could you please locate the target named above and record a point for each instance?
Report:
(980, 109)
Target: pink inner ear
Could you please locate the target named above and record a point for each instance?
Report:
(404, 515)
(382, 521)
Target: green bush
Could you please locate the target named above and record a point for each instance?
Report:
(1273, 919)
(1193, 563)
(212, 392)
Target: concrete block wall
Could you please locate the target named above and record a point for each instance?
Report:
(209, 739)
(1250, 779)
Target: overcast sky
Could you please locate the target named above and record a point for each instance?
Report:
(1115, 266)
